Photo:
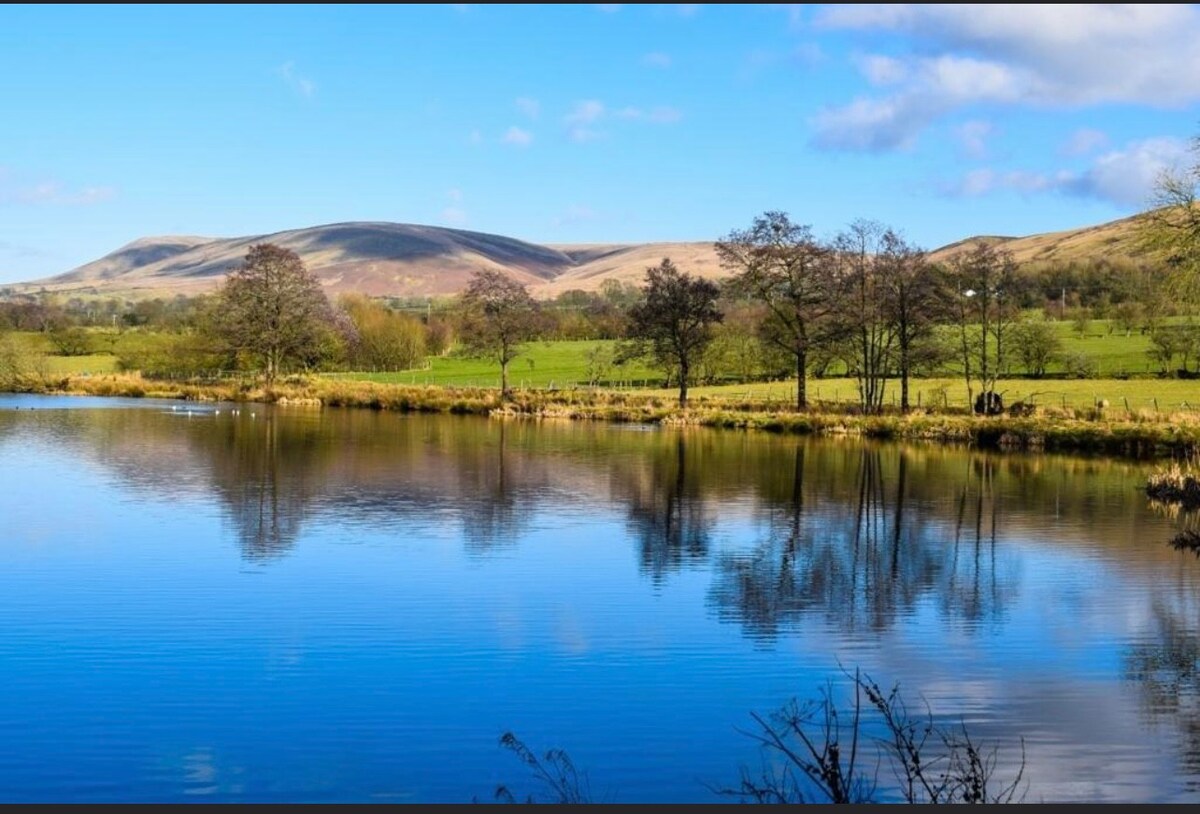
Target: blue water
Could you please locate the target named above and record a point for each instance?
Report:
(306, 605)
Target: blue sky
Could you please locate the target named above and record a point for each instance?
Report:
(581, 123)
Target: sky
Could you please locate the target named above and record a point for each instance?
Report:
(580, 124)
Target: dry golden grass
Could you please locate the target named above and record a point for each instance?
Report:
(1118, 238)
(1091, 430)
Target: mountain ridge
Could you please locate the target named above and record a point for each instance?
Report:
(382, 258)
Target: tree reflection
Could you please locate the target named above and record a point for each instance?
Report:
(972, 591)
(267, 472)
(861, 560)
(490, 518)
(1166, 669)
(666, 513)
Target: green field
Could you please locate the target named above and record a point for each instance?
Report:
(543, 364)
(1113, 353)
(564, 365)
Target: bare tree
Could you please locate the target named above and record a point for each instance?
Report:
(273, 308)
(782, 265)
(499, 317)
(673, 323)
(982, 277)
(1171, 228)
(914, 295)
(867, 321)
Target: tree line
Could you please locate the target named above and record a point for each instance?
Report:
(866, 303)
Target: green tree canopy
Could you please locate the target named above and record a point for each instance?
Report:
(673, 322)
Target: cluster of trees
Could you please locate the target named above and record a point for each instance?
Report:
(868, 299)
(866, 302)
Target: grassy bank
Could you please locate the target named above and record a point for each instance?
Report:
(1161, 397)
(1108, 430)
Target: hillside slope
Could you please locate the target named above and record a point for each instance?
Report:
(373, 258)
(405, 260)
(1118, 238)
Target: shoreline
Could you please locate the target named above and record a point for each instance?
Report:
(1106, 431)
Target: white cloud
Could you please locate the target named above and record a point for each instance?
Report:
(517, 137)
(530, 107)
(16, 190)
(299, 84)
(608, 8)
(1124, 177)
(584, 121)
(475, 138)
(882, 70)
(1040, 55)
(586, 112)
(872, 125)
(454, 213)
(972, 138)
(657, 59)
(687, 9)
(977, 183)
(1084, 141)
(933, 87)
(581, 119)
(654, 115)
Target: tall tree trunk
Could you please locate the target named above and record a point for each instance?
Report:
(801, 388)
(904, 407)
(683, 384)
(503, 379)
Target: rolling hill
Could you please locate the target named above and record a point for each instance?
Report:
(1116, 238)
(394, 259)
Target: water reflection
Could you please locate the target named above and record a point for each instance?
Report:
(267, 473)
(865, 561)
(881, 525)
(458, 570)
(491, 512)
(1165, 666)
(666, 511)
(973, 591)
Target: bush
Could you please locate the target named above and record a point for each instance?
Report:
(71, 341)
(1079, 366)
(816, 753)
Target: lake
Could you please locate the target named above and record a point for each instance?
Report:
(244, 603)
